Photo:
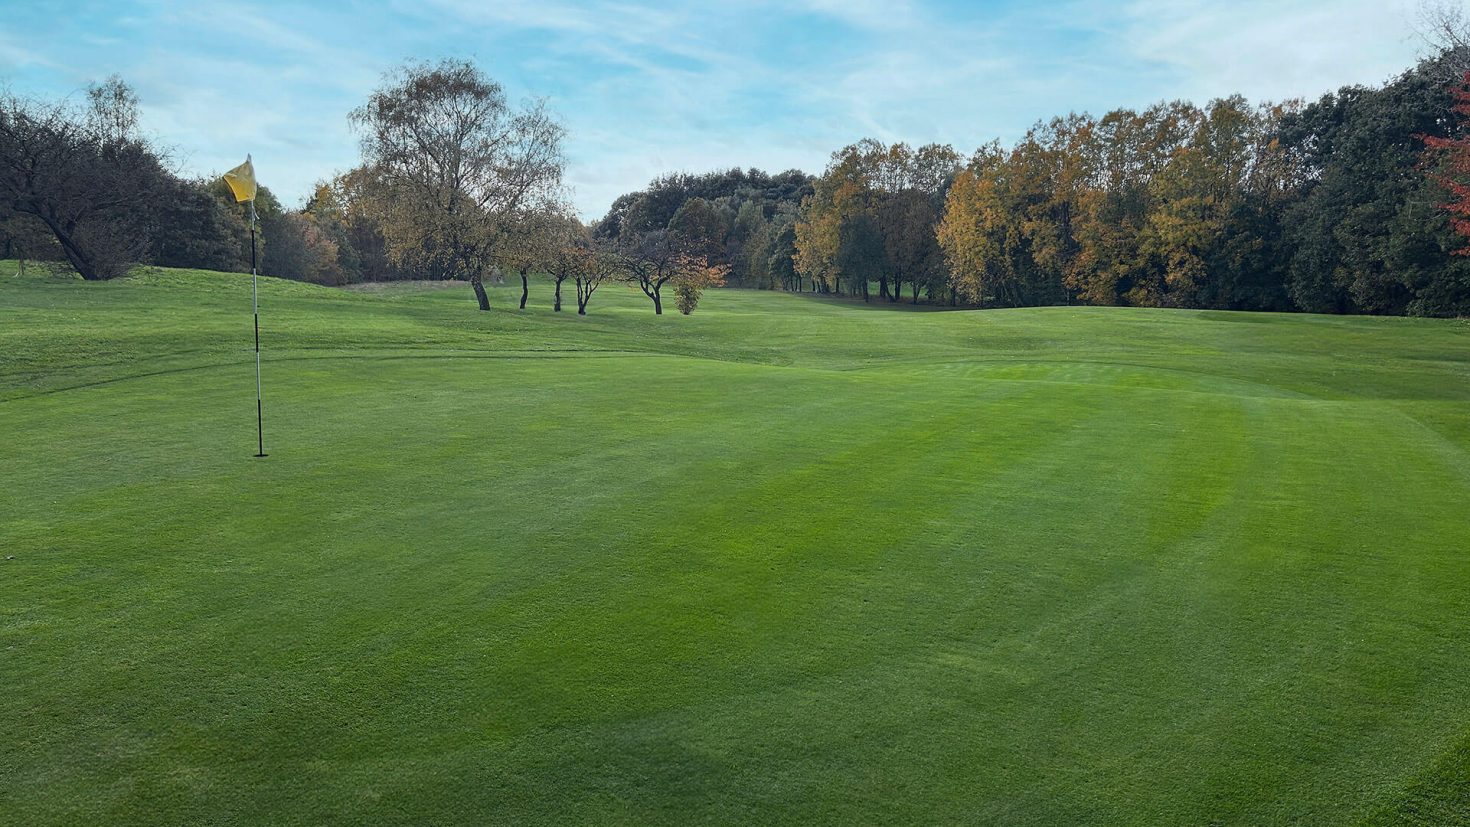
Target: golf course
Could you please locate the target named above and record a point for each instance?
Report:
(789, 559)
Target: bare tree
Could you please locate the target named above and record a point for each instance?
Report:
(600, 265)
(85, 175)
(650, 260)
(571, 253)
(1444, 29)
(113, 109)
(456, 165)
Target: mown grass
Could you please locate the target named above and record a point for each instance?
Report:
(784, 560)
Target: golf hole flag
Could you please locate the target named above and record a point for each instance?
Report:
(241, 181)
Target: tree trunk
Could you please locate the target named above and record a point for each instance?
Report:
(883, 288)
(525, 288)
(916, 293)
(480, 294)
(557, 304)
(865, 289)
(75, 256)
(658, 302)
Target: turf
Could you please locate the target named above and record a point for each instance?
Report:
(784, 560)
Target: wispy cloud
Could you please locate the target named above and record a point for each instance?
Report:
(1265, 48)
(13, 54)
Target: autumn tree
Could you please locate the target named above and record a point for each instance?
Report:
(875, 191)
(1006, 231)
(575, 255)
(1448, 157)
(453, 164)
(302, 250)
(529, 240)
(329, 216)
(816, 238)
(1208, 234)
(1048, 171)
(358, 192)
(973, 232)
(908, 187)
(1191, 200)
(845, 194)
(692, 275)
(1125, 151)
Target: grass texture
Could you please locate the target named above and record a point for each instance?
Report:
(784, 560)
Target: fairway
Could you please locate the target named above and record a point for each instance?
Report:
(784, 560)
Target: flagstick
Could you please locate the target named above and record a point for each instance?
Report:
(255, 309)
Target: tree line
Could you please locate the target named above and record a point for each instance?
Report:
(1347, 204)
(1353, 203)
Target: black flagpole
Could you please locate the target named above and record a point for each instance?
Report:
(255, 308)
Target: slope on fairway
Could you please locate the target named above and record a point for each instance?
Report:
(783, 560)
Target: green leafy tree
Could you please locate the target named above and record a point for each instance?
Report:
(1361, 238)
(195, 227)
(859, 257)
(699, 227)
(781, 262)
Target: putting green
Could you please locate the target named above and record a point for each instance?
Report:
(784, 560)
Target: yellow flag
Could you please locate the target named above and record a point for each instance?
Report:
(242, 181)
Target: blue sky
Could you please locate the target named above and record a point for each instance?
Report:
(648, 88)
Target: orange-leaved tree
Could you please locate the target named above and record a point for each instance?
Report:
(692, 274)
(1449, 160)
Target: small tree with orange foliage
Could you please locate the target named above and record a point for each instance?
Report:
(692, 274)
